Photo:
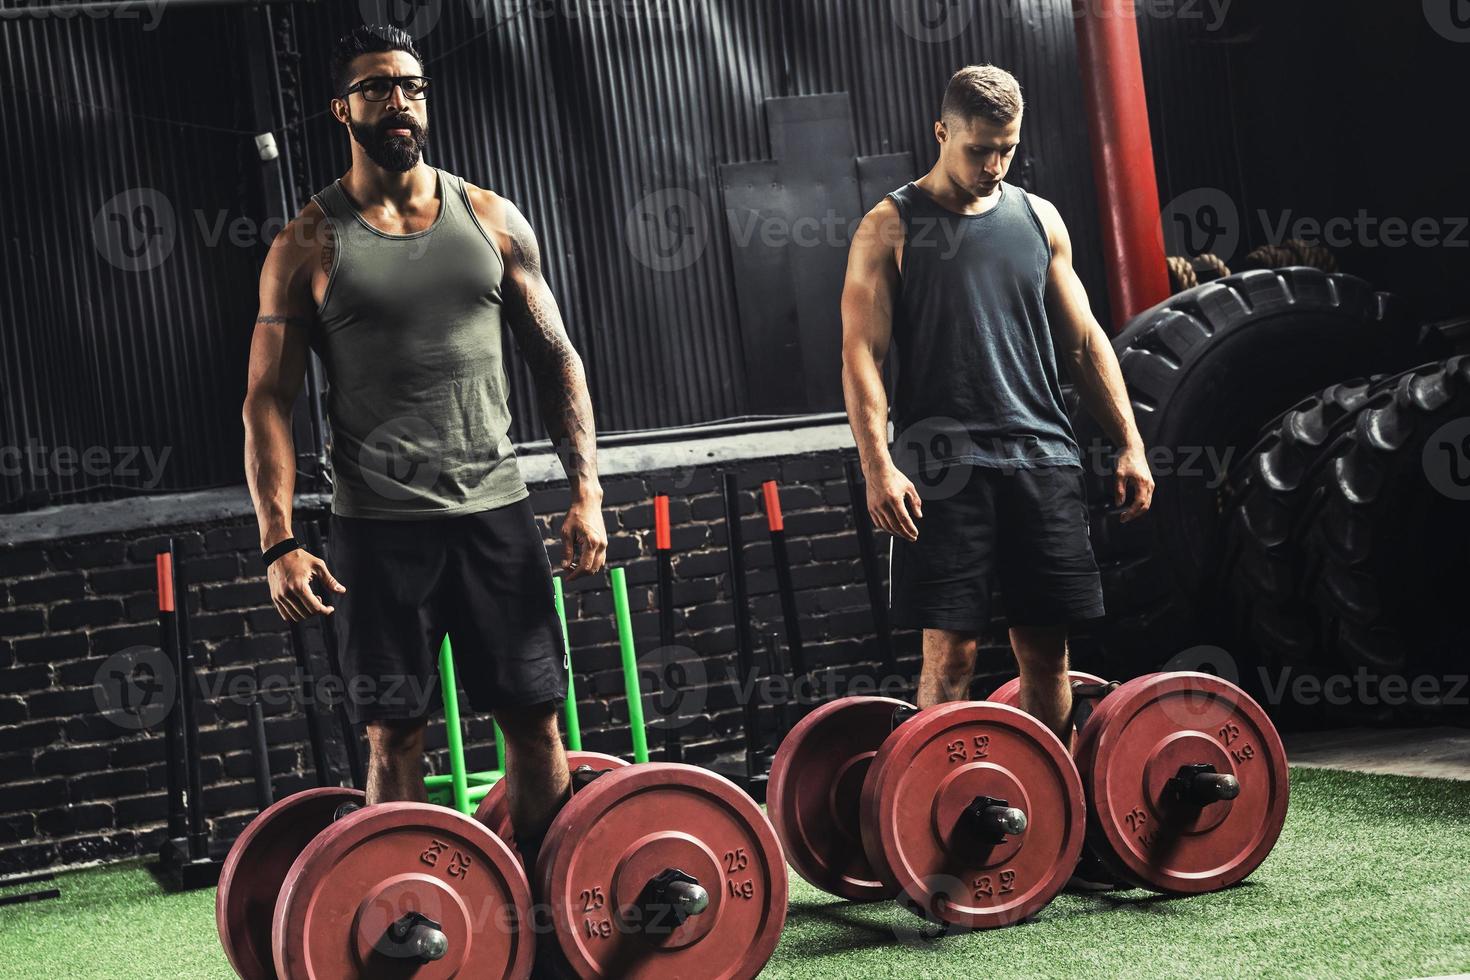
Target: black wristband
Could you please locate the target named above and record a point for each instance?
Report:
(277, 550)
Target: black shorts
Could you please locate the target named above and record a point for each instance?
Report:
(1026, 528)
(484, 578)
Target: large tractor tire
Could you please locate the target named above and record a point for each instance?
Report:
(1268, 503)
(1205, 370)
(1388, 552)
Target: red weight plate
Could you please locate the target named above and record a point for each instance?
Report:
(370, 869)
(630, 825)
(494, 809)
(1010, 692)
(929, 771)
(1136, 743)
(256, 867)
(815, 785)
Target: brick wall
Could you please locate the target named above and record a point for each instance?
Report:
(78, 788)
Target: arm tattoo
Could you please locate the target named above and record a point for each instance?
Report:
(329, 246)
(561, 384)
(288, 319)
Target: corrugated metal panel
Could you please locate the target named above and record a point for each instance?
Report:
(124, 329)
(578, 119)
(1190, 103)
(896, 63)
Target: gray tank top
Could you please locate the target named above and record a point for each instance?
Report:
(409, 333)
(977, 373)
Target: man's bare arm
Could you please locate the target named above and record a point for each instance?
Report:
(867, 330)
(535, 321)
(278, 352)
(561, 380)
(1087, 354)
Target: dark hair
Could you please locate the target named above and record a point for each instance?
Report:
(983, 90)
(367, 39)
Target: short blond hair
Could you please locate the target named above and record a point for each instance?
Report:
(983, 90)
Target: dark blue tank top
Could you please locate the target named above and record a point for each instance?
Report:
(977, 371)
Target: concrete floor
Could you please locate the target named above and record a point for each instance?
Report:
(1440, 752)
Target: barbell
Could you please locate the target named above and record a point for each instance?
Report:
(651, 870)
(970, 812)
(1184, 775)
(1179, 784)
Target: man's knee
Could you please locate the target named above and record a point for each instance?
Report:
(1040, 649)
(397, 736)
(535, 724)
(952, 652)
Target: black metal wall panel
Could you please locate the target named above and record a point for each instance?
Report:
(1349, 117)
(124, 304)
(788, 222)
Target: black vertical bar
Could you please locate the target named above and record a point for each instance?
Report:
(264, 792)
(795, 655)
(778, 666)
(673, 751)
(350, 745)
(269, 115)
(776, 524)
(744, 652)
(173, 740)
(325, 775)
(189, 689)
(857, 491)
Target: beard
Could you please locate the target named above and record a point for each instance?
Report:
(396, 153)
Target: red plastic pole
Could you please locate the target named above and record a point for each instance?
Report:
(163, 564)
(1122, 155)
(661, 522)
(772, 495)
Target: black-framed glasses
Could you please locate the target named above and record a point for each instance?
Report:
(377, 88)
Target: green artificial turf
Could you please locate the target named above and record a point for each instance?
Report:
(1371, 878)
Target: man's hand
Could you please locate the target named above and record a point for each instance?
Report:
(1088, 354)
(889, 497)
(290, 578)
(583, 539)
(1131, 473)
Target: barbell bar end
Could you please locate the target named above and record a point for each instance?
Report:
(995, 819)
